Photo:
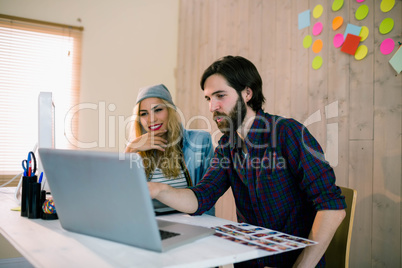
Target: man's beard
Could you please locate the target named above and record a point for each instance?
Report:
(231, 122)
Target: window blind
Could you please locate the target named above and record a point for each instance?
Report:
(35, 56)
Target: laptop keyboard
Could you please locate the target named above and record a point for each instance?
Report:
(167, 234)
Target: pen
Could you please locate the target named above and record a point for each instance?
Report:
(40, 177)
(29, 165)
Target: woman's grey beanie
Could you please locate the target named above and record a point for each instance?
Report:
(156, 91)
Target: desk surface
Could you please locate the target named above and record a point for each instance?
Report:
(47, 244)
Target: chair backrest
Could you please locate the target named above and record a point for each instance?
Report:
(337, 254)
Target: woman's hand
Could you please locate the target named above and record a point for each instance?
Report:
(148, 141)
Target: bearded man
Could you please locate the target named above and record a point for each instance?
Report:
(274, 166)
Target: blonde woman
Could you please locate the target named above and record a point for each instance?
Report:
(170, 153)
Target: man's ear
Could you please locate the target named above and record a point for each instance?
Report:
(249, 94)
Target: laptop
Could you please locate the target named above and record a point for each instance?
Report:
(105, 195)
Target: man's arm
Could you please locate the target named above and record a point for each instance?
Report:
(325, 224)
(183, 200)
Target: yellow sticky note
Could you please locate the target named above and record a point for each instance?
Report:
(16, 209)
(387, 5)
(361, 52)
(364, 33)
(317, 12)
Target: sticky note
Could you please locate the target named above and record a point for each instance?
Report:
(359, 1)
(386, 25)
(387, 5)
(317, 28)
(338, 40)
(317, 46)
(317, 62)
(351, 43)
(352, 29)
(364, 33)
(387, 46)
(307, 41)
(396, 61)
(337, 5)
(362, 12)
(337, 23)
(317, 11)
(361, 52)
(304, 19)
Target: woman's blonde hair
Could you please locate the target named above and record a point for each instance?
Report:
(168, 161)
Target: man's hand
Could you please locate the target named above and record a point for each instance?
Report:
(183, 200)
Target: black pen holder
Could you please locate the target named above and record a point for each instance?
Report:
(34, 200)
(26, 181)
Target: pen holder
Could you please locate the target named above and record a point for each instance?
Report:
(34, 204)
(24, 193)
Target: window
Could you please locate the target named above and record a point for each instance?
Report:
(35, 56)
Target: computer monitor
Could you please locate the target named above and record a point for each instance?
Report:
(46, 128)
(46, 134)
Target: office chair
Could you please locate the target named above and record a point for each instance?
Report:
(337, 254)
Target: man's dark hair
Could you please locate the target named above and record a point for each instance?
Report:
(239, 74)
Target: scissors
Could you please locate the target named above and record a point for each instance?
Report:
(29, 169)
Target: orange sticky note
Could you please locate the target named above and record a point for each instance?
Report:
(337, 22)
(317, 45)
(351, 43)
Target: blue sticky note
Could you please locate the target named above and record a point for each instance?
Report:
(352, 29)
(304, 19)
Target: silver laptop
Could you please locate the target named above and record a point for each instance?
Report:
(99, 194)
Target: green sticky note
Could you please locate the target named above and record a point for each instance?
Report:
(362, 12)
(307, 41)
(386, 25)
(396, 60)
(337, 5)
(317, 62)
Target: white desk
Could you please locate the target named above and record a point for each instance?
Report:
(47, 244)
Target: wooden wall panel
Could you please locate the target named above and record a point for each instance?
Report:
(358, 103)
(268, 69)
(338, 91)
(283, 57)
(299, 65)
(362, 95)
(318, 79)
(361, 179)
(386, 236)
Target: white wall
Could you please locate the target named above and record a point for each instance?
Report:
(127, 44)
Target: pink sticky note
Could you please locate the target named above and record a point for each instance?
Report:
(338, 40)
(317, 28)
(387, 46)
(359, 1)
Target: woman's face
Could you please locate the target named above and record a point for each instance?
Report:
(153, 114)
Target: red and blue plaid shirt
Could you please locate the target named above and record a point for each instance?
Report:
(279, 184)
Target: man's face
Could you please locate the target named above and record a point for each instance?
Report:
(227, 106)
